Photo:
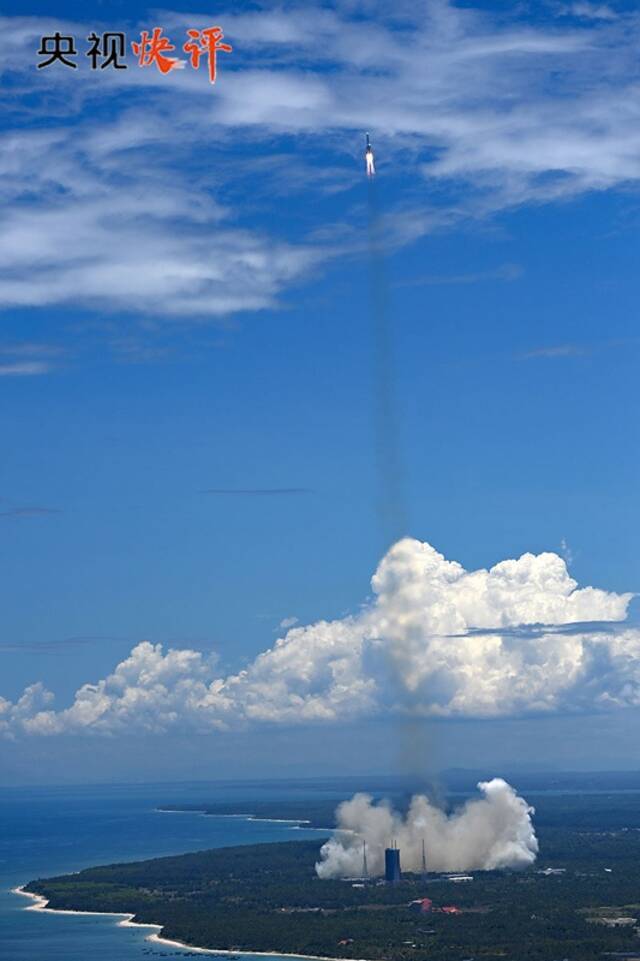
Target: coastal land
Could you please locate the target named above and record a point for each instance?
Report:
(581, 901)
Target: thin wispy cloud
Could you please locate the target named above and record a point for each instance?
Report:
(558, 351)
(567, 552)
(31, 368)
(30, 349)
(288, 622)
(588, 11)
(28, 358)
(257, 491)
(506, 272)
(498, 112)
(29, 511)
(134, 350)
(61, 645)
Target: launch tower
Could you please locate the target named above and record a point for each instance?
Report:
(392, 873)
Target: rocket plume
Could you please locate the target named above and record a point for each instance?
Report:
(368, 159)
(391, 497)
(493, 831)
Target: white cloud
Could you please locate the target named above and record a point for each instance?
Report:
(116, 209)
(567, 553)
(288, 622)
(115, 232)
(27, 368)
(436, 641)
(590, 11)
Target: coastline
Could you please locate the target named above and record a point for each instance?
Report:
(126, 921)
(243, 817)
(295, 824)
(41, 905)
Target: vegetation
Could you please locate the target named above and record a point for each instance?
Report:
(268, 898)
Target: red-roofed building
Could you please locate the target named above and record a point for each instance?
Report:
(423, 905)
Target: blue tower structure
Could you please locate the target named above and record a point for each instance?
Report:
(392, 873)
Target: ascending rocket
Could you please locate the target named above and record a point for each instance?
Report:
(368, 159)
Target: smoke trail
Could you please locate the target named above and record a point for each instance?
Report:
(392, 507)
(494, 831)
(414, 735)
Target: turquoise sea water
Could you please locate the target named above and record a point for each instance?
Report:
(44, 832)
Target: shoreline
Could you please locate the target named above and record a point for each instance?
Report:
(295, 824)
(242, 817)
(126, 921)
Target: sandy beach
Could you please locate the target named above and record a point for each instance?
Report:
(40, 904)
(126, 920)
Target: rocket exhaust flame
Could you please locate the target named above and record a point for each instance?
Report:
(369, 160)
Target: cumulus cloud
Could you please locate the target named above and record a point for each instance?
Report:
(437, 640)
(494, 831)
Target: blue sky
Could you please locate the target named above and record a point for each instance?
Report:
(185, 295)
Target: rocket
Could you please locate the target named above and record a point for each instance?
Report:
(368, 159)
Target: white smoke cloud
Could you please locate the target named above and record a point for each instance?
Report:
(494, 831)
(436, 641)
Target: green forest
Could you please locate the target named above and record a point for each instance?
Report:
(267, 897)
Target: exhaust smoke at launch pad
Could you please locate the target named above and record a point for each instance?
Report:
(487, 833)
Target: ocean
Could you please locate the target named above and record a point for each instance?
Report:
(50, 831)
